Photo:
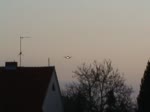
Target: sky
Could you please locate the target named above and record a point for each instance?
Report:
(87, 30)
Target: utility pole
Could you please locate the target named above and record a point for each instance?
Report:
(20, 54)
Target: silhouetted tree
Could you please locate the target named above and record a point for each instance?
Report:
(144, 94)
(103, 88)
(74, 100)
(111, 102)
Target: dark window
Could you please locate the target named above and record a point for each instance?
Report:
(53, 87)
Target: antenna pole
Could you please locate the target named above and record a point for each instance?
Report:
(20, 50)
(48, 62)
(20, 54)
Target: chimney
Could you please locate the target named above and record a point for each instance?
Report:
(11, 65)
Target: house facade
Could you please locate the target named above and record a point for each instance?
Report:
(29, 89)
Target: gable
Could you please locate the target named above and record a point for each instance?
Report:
(53, 99)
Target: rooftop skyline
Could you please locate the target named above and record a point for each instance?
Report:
(84, 29)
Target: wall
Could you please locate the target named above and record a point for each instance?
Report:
(53, 100)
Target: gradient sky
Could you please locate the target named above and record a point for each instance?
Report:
(85, 29)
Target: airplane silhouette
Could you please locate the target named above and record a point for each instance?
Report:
(67, 57)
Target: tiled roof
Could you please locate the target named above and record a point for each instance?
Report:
(23, 89)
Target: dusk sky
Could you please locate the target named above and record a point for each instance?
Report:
(87, 30)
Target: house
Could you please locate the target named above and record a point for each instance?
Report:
(29, 89)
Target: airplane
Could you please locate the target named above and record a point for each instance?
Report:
(67, 57)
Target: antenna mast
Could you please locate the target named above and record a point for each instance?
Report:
(48, 61)
(20, 53)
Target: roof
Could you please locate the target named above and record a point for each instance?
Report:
(24, 88)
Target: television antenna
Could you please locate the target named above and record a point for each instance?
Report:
(20, 53)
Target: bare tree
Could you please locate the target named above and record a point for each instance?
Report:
(96, 81)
